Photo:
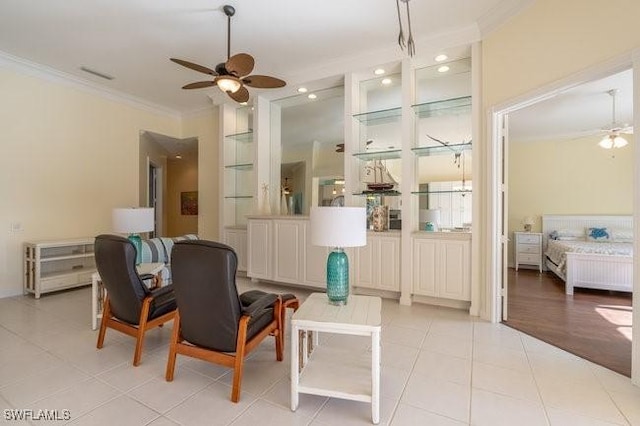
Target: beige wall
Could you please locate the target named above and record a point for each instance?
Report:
(567, 177)
(182, 176)
(204, 126)
(69, 157)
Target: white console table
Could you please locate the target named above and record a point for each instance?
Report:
(333, 371)
(96, 308)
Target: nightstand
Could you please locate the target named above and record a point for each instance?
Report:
(528, 249)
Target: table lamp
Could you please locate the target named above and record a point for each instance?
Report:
(132, 221)
(528, 222)
(338, 227)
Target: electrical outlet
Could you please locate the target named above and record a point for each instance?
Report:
(17, 227)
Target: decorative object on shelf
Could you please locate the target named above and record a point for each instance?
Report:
(431, 219)
(457, 153)
(231, 76)
(410, 45)
(265, 205)
(338, 227)
(613, 139)
(528, 222)
(380, 218)
(132, 221)
(377, 177)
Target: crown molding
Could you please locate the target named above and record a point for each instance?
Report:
(500, 14)
(24, 66)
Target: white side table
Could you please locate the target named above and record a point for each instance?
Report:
(528, 249)
(330, 371)
(96, 311)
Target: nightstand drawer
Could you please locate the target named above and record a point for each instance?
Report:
(529, 258)
(529, 248)
(528, 239)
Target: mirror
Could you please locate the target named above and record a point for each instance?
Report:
(311, 131)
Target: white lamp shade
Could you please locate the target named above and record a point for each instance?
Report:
(133, 220)
(430, 215)
(529, 220)
(338, 226)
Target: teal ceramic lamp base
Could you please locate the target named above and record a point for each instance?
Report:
(338, 277)
(137, 243)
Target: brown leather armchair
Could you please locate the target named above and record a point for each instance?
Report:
(129, 306)
(213, 323)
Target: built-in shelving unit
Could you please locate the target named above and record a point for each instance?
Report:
(390, 115)
(427, 151)
(391, 154)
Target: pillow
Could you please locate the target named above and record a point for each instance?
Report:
(567, 234)
(598, 234)
(621, 235)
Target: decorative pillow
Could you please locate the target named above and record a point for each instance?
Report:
(598, 234)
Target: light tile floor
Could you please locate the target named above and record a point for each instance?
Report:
(439, 367)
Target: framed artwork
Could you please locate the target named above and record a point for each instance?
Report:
(189, 203)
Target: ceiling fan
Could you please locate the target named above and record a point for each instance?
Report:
(613, 138)
(232, 76)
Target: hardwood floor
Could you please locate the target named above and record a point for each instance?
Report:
(593, 324)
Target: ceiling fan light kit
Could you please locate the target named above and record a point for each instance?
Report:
(613, 139)
(231, 76)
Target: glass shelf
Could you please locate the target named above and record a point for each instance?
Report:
(446, 107)
(242, 137)
(426, 151)
(232, 197)
(461, 192)
(379, 155)
(378, 117)
(390, 193)
(243, 166)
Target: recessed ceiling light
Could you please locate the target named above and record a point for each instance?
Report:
(386, 81)
(443, 68)
(302, 90)
(379, 71)
(441, 57)
(311, 96)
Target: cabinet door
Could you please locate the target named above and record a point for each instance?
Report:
(314, 270)
(259, 249)
(288, 251)
(454, 277)
(237, 239)
(388, 264)
(365, 264)
(425, 267)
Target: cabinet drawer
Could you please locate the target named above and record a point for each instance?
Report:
(529, 258)
(529, 248)
(48, 284)
(528, 239)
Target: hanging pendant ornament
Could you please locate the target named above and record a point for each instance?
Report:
(410, 44)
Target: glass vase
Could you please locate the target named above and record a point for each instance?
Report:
(338, 277)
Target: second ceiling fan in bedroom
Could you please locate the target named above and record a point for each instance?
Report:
(233, 75)
(614, 132)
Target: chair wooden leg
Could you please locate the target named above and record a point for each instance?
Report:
(279, 335)
(239, 358)
(175, 335)
(142, 328)
(106, 313)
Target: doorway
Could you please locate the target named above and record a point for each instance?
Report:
(499, 226)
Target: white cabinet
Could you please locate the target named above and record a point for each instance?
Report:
(377, 265)
(442, 266)
(57, 265)
(279, 249)
(236, 238)
(528, 249)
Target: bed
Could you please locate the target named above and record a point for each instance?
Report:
(588, 264)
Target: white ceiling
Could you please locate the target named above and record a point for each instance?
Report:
(132, 40)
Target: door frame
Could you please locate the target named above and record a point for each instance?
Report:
(159, 207)
(495, 243)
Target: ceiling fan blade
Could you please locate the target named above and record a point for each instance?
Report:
(242, 95)
(199, 85)
(263, 82)
(194, 67)
(240, 64)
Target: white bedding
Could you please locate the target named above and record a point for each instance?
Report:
(557, 249)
